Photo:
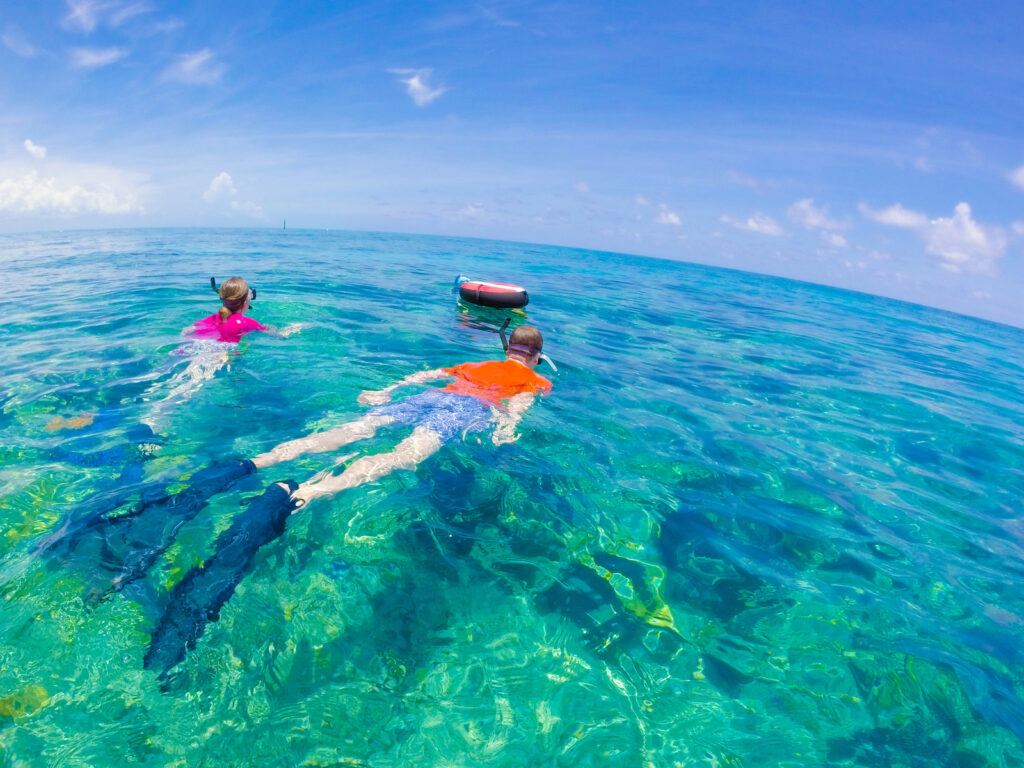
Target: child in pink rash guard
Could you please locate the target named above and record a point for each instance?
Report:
(230, 323)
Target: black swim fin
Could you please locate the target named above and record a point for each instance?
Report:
(150, 534)
(133, 540)
(196, 600)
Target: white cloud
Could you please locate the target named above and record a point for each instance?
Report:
(221, 188)
(1016, 177)
(760, 223)
(835, 239)
(14, 39)
(36, 150)
(105, 193)
(923, 164)
(959, 242)
(809, 216)
(895, 216)
(641, 200)
(196, 68)
(86, 15)
(92, 58)
(416, 84)
(1018, 228)
(222, 192)
(666, 216)
(582, 187)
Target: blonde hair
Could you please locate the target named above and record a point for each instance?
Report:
(233, 293)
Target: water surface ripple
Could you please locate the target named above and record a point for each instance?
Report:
(757, 522)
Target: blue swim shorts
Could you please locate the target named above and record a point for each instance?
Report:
(447, 414)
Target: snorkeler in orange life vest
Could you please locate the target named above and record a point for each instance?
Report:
(479, 396)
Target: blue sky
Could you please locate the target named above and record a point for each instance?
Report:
(861, 145)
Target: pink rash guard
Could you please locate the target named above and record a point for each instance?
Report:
(230, 330)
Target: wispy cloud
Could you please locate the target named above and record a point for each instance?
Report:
(809, 216)
(36, 150)
(86, 15)
(222, 192)
(816, 218)
(14, 40)
(417, 84)
(32, 193)
(582, 187)
(760, 223)
(163, 27)
(752, 182)
(1016, 177)
(93, 58)
(667, 216)
(196, 68)
(960, 243)
(471, 211)
(641, 200)
(120, 15)
(247, 207)
(496, 19)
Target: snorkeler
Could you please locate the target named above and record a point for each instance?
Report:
(143, 531)
(229, 322)
(210, 343)
(481, 395)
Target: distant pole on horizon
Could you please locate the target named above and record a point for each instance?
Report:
(284, 224)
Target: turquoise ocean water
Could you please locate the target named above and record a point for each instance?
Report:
(757, 522)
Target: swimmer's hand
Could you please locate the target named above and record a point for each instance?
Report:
(292, 328)
(374, 397)
(505, 421)
(504, 434)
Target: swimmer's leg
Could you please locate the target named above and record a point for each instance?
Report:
(322, 442)
(408, 454)
(197, 599)
(203, 366)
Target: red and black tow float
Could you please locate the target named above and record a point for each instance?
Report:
(497, 295)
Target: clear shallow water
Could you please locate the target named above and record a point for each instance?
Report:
(757, 522)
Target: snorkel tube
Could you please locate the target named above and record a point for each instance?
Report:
(505, 346)
(501, 332)
(216, 289)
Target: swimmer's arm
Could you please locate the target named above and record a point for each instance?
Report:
(508, 420)
(381, 396)
(283, 333)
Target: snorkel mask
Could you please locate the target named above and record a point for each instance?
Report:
(521, 348)
(216, 289)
